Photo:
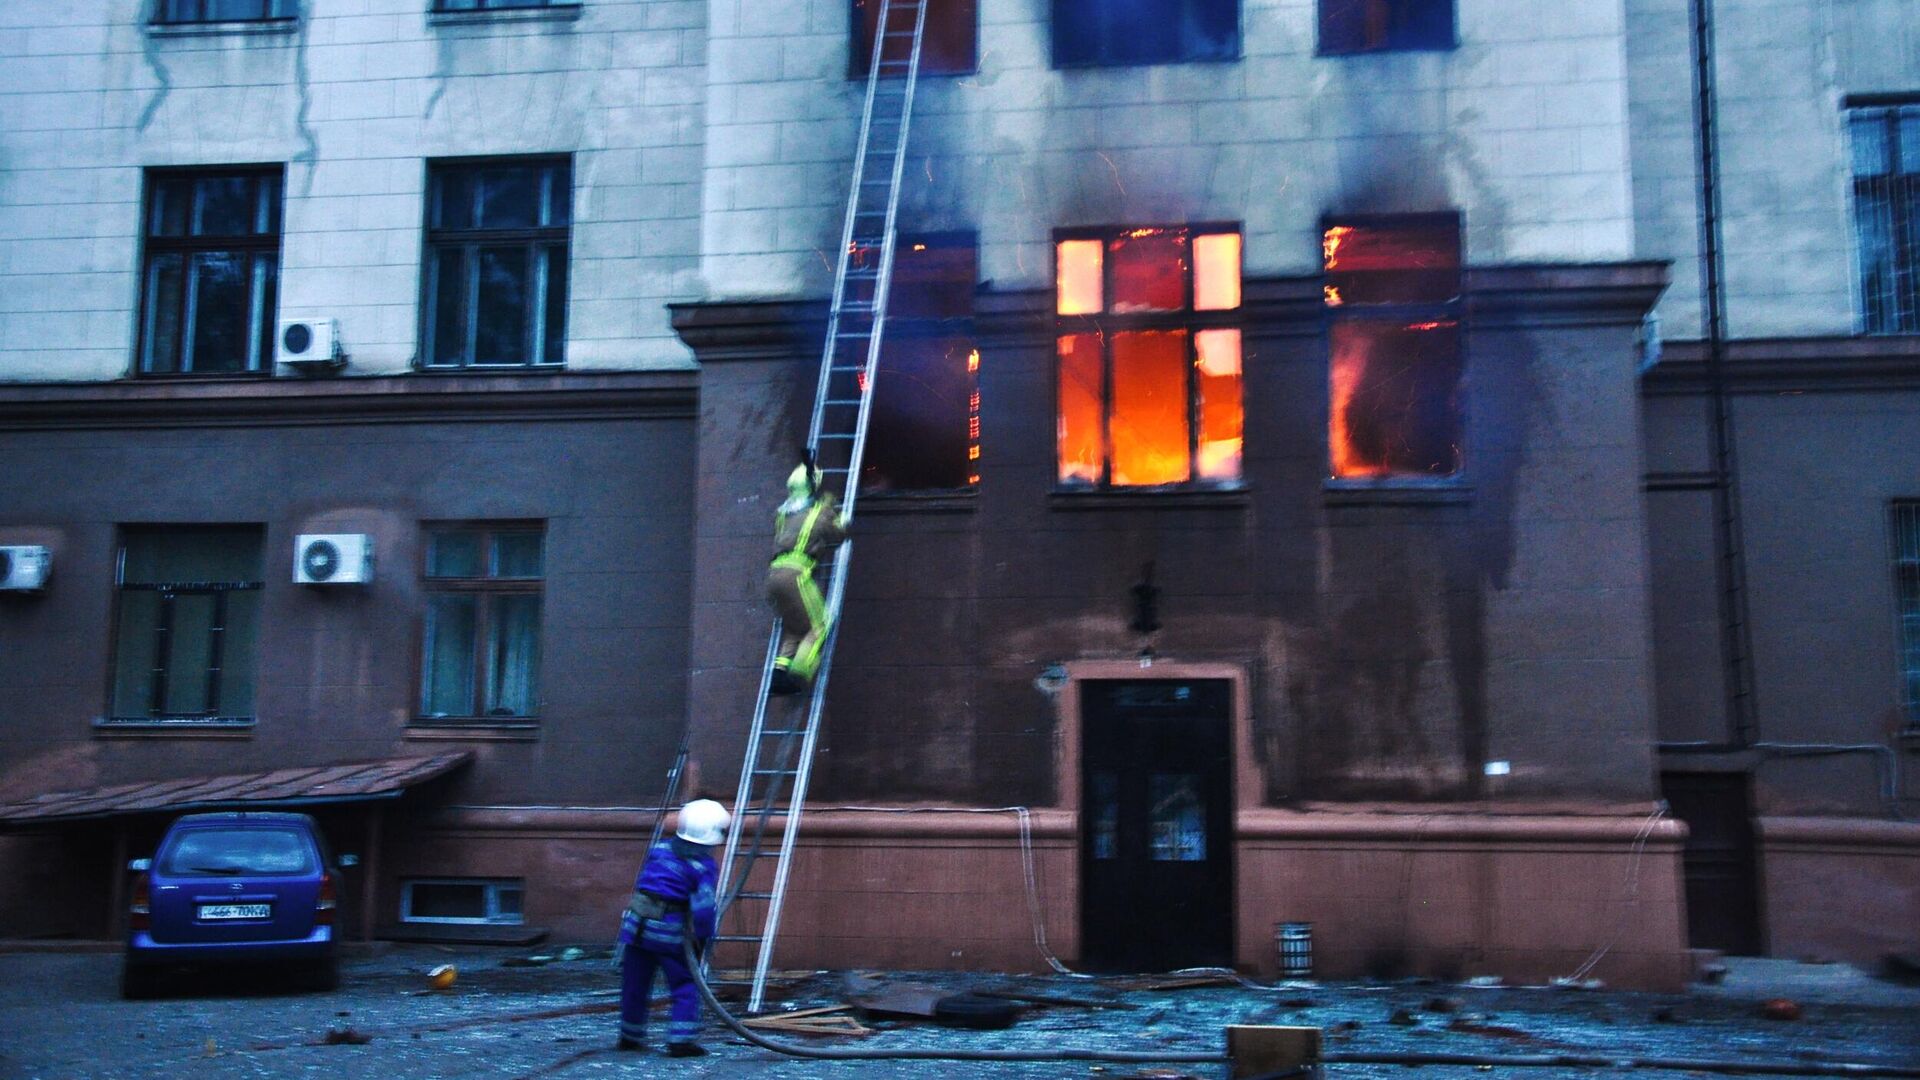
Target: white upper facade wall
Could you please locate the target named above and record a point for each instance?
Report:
(1785, 71)
(352, 99)
(1522, 129)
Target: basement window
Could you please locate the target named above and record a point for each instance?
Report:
(924, 431)
(1149, 387)
(1365, 26)
(1393, 298)
(949, 45)
(1111, 33)
(496, 901)
(1906, 568)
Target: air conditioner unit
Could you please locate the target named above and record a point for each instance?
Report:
(24, 568)
(309, 345)
(333, 559)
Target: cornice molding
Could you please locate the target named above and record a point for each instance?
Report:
(378, 399)
(1563, 294)
(1851, 364)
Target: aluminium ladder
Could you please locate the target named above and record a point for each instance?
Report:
(779, 758)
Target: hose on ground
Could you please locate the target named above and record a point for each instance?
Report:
(1187, 1057)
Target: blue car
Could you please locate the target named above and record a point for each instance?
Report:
(231, 889)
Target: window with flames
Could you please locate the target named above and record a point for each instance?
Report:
(1149, 388)
(1393, 303)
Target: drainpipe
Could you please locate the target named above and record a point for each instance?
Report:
(1730, 569)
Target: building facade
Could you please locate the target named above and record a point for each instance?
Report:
(1302, 482)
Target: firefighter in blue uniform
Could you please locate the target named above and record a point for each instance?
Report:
(673, 900)
(806, 530)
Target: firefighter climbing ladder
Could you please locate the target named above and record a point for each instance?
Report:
(779, 758)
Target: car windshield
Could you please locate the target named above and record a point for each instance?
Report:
(229, 852)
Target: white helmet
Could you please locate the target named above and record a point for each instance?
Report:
(703, 821)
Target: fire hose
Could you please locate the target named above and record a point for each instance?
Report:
(1185, 1057)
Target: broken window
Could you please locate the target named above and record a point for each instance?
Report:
(186, 624)
(1886, 209)
(1094, 33)
(1906, 568)
(1392, 295)
(1148, 352)
(212, 268)
(496, 274)
(193, 11)
(924, 430)
(1359, 26)
(946, 48)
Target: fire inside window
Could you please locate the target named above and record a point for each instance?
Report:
(1392, 295)
(1149, 377)
(924, 430)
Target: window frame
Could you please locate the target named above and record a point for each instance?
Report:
(283, 11)
(534, 240)
(935, 328)
(157, 678)
(261, 341)
(483, 587)
(1904, 528)
(1106, 323)
(1055, 36)
(860, 47)
(1901, 190)
(1320, 48)
(491, 888)
(1453, 310)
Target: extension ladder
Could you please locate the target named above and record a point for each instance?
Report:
(779, 756)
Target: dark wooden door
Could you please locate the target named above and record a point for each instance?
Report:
(1157, 824)
(1723, 909)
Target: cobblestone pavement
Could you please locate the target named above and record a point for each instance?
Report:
(61, 1017)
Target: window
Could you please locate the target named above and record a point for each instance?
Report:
(188, 617)
(1886, 210)
(924, 430)
(481, 649)
(947, 47)
(498, 5)
(1360, 26)
(496, 280)
(212, 267)
(1148, 356)
(1090, 33)
(249, 852)
(1393, 297)
(462, 900)
(1906, 556)
(193, 11)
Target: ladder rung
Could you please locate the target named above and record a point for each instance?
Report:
(733, 937)
(776, 772)
(744, 895)
(784, 731)
(841, 401)
(836, 438)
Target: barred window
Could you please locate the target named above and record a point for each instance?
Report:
(187, 619)
(211, 271)
(194, 11)
(1906, 569)
(496, 273)
(1886, 212)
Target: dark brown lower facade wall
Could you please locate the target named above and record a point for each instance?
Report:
(1452, 895)
(1845, 889)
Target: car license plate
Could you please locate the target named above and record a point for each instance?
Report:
(210, 912)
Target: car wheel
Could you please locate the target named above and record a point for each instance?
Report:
(137, 982)
(324, 975)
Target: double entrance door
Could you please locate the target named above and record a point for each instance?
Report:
(1156, 888)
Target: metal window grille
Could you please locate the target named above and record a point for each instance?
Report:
(1906, 568)
(186, 623)
(1886, 207)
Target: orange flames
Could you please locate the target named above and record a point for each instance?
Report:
(1330, 245)
(1332, 294)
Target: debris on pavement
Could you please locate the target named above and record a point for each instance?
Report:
(894, 1000)
(346, 1036)
(442, 977)
(825, 1020)
(1444, 1005)
(1404, 1018)
(1072, 1001)
(1780, 1009)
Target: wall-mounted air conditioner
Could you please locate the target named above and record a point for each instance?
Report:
(309, 345)
(333, 559)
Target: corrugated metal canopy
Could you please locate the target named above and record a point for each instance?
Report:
(354, 782)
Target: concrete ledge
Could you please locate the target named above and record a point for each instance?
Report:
(1848, 834)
